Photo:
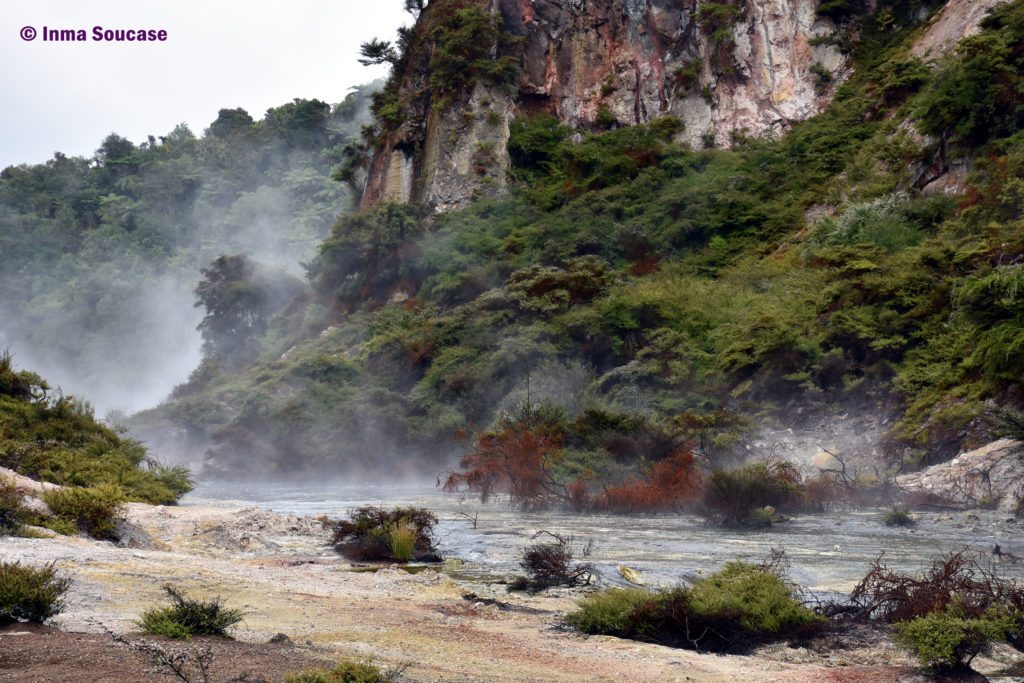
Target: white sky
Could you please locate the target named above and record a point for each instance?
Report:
(253, 54)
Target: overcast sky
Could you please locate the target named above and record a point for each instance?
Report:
(252, 54)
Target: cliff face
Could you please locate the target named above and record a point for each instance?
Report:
(721, 66)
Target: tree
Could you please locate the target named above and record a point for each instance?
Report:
(378, 52)
(229, 122)
(240, 297)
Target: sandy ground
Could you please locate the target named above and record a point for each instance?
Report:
(281, 571)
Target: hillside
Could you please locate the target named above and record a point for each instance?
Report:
(849, 285)
(101, 255)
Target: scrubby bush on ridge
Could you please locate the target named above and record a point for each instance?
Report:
(55, 438)
(94, 510)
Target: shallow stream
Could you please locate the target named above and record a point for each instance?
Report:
(828, 552)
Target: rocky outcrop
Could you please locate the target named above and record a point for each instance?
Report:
(957, 20)
(640, 59)
(601, 62)
(990, 476)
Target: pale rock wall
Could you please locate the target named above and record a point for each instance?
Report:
(581, 56)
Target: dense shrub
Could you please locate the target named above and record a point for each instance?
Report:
(897, 516)
(94, 510)
(515, 458)
(976, 95)
(187, 617)
(729, 611)
(670, 484)
(347, 672)
(29, 593)
(948, 640)
(373, 533)
(750, 495)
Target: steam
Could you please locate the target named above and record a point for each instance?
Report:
(134, 337)
(123, 370)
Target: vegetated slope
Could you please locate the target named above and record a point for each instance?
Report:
(54, 438)
(660, 294)
(101, 254)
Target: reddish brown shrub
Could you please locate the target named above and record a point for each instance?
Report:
(513, 461)
(672, 483)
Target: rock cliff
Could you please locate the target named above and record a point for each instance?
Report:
(723, 67)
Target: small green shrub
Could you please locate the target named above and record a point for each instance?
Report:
(949, 640)
(94, 509)
(59, 525)
(346, 672)
(29, 593)
(730, 610)
(12, 513)
(188, 617)
(897, 516)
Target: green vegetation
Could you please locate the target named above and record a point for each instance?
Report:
(897, 516)
(187, 617)
(93, 510)
(751, 495)
(946, 614)
(373, 533)
(347, 672)
(33, 594)
(949, 641)
(658, 295)
(101, 254)
(54, 438)
(731, 610)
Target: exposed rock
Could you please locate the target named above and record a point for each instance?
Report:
(958, 19)
(990, 476)
(25, 485)
(131, 535)
(633, 60)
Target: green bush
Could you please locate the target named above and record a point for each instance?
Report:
(897, 516)
(29, 593)
(611, 611)
(730, 610)
(94, 510)
(750, 495)
(949, 640)
(346, 672)
(187, 617)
